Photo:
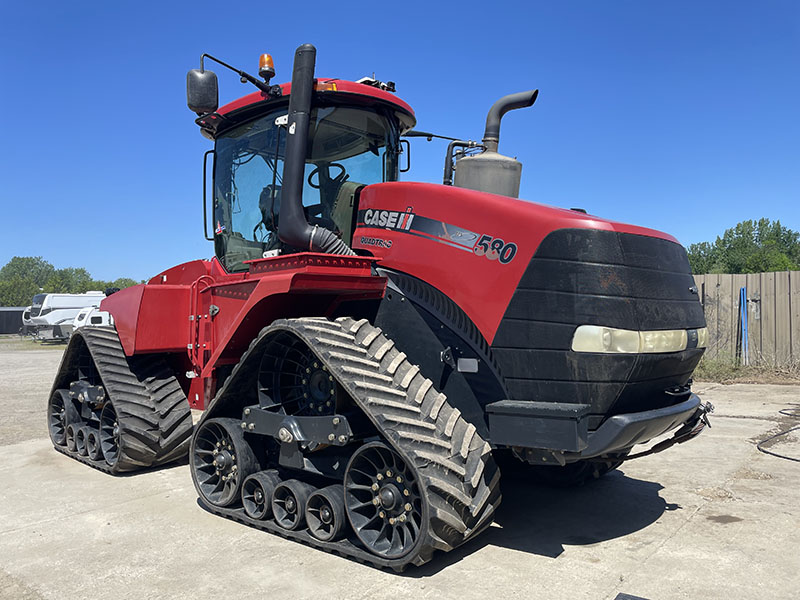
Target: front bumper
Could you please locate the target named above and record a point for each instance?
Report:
(621, 432)
(548, 433)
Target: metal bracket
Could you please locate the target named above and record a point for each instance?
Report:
(333, 430)
(447, 357)
(90, 394)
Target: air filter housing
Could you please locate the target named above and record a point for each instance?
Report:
(489, 171)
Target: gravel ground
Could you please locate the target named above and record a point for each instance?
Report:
(713, 518)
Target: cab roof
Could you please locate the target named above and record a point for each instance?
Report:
(239, 108)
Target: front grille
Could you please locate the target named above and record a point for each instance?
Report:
(593, 277)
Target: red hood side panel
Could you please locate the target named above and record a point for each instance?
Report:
(472, 246)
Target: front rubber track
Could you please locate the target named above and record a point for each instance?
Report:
(154, 417)
(457, 473)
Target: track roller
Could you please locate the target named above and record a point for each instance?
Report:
(222, 460)
(93, 444)
(289, 502)
(325, 513)
(71, 433)
(257, 491)
(80, 440)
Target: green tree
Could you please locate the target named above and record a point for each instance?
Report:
(24, 276)
(70, 280)
(123, 282)
(748, 247)
(16, 291)
(27, 268)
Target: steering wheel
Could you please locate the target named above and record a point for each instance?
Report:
(340, 178)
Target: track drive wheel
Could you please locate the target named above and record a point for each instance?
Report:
(325, 513)
(221, 460)
(383, 501)
(289, 502)
(61, 412)
(257, 491)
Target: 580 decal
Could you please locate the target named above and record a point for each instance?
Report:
(495, 248)
(408, 222)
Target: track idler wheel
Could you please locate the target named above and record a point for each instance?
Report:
(93, 444)
(257, 491)
(80, 440)
(289, 503)
(61, 411)
(221, 460)
(383, 501)
(325, 514)
(108, 436)
(71, 433)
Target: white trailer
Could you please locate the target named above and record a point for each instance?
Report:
(27, 326)
(52, 315)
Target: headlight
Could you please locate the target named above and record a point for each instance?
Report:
(662, 341)
(595, 338)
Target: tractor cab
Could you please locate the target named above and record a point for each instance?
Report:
(353, 141)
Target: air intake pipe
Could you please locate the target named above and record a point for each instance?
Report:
(293, 228)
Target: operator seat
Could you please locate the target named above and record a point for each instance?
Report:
(343, 211)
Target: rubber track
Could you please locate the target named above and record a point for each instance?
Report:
(456, 470)
(152, 411)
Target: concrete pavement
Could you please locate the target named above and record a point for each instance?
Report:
(713, 518)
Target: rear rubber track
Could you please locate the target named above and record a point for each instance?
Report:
(154, 417)
(456, 470)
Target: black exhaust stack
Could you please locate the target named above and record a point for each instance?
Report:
(491, 135)
(293, 229)
(489, 171)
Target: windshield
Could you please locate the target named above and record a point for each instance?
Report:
(347, 148)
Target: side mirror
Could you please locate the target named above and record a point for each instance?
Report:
(202, 94)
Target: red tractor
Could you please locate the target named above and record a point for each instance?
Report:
(364, 348)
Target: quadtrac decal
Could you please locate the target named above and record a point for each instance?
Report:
(488, 246)
(373, 241)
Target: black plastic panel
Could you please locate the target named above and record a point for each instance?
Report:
(593, 277)
(551, 425)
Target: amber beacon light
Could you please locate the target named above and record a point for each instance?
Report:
(266, 67)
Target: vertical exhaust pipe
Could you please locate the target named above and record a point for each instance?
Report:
(293, 229)
(489, 171)
(491, 135)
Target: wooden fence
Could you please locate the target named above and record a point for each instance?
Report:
(773, 310)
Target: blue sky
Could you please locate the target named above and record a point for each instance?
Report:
(681, 116)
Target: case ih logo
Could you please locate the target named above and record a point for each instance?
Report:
(389, 219)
